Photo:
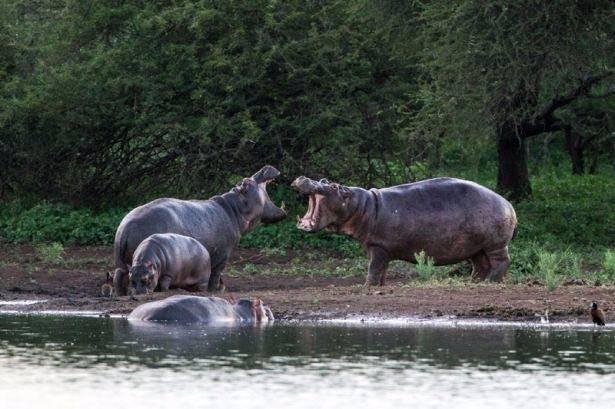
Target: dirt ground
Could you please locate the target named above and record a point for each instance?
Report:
(74, 284)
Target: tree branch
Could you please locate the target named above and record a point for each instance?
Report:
(560, 101)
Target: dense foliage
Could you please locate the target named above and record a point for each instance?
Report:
(518, 69)
(114, 100)
(108, 104)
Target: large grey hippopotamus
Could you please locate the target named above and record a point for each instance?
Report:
(190, 309)
(169, 260)
(449, 219)
(217, 223)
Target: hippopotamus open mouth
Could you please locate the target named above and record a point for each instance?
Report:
(325, 204)
(306, 186)
(309, 222)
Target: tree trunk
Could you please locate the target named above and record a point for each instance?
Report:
(513, 179)
(574, 146)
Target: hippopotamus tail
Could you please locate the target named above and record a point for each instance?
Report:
(514, 233)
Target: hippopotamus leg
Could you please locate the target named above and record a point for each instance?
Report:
(165, 282)
(378, 263)
(499, 262)
(120, 281)
(480, 266)
(215, 283)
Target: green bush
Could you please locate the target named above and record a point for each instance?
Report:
(547, 265)
(286, 235)
(424, 265)
(608, 264)
(47, 222)
(50, 252)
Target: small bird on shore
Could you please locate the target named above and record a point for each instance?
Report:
(597, 314)
(544, 319)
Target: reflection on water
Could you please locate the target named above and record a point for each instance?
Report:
(62, 362)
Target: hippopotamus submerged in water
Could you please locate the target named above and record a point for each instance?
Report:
(169, 260)
(451, 220)
(190, 309)
(217, 223)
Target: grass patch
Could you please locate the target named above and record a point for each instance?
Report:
(424, 266)
(305, 267)
(548, 264)
(568, 216)
(608, 264)
(50, 253)
(47, 222)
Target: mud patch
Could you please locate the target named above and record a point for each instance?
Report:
(74, 285)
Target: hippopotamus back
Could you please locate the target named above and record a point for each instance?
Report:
(189, 309)
(185, 309)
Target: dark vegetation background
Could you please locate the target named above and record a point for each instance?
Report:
(105, 105)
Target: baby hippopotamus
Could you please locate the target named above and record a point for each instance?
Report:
(191, 309)
(169, 260)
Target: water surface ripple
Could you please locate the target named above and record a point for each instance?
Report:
(64, 362)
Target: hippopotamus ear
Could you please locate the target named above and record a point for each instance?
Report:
(343, 190)
(241, 187)
(266, 174)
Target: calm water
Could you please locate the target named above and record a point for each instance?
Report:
(88, 362)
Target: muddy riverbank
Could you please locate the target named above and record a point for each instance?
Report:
(296, 287)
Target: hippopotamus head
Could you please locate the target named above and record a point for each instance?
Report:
(254, 203)
(254, 311)
(143, 278)
(328, 204)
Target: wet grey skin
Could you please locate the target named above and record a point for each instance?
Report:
(217, 223)
(169, 260)
(189, 309)
(451, 220)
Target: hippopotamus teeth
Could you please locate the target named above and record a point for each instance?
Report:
(307, 224)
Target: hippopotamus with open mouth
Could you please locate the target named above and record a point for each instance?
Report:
(451, 220)
(169, 260)
(217, 223)
(190, 309)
